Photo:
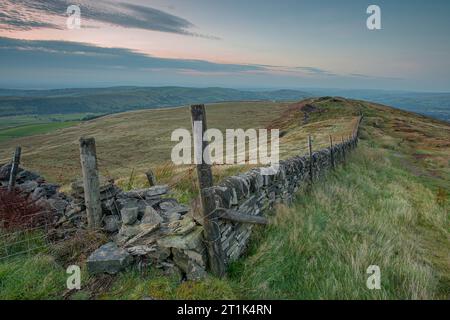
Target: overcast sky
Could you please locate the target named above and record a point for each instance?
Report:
(241, 44)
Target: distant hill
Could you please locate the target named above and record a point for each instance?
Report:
(118, 99)
(435, 105)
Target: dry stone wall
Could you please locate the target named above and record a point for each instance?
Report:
(149, 225)
(252, 193)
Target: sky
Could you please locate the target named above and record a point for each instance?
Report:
(239, 44)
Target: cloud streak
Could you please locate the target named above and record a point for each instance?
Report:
(32, 14)
(74, 63)
(74, 55)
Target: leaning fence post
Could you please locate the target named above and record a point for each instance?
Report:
(331, 152)
(14, 168)
(91, 182)
(216, 257)
(310, 160)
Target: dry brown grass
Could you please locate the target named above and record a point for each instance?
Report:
(137, 140)
(130, 143)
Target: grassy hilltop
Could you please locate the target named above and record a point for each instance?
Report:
(387, 206)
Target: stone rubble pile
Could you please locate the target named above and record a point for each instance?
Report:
(152, 227)
(144, 225)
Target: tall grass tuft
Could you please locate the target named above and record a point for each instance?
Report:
(370, 213)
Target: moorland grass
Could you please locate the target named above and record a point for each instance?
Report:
(366, 213)
(31, 277)
(380, 208)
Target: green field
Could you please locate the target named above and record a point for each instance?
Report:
(23, 120)
(13, 127)
(33, 129)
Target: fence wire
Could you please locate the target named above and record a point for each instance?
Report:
(38, 238)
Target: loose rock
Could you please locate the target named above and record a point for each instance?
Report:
(108, 259)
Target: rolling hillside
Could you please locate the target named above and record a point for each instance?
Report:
(387, 206)
(135, 141)
(118, 99)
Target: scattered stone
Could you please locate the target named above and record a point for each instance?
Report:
(160, 254)
(198, 257)
(195, 272)
(168, 205)
(180, 209)
(183, 226)
(138, 194)
(127, 202)
(72, 209)
(38, 193)
(156, 191)
(49, 188)
(143, 230)
(108, 259)
(28, 186)
(127, 231)
(151, 216)
(190, 241)
(59, 205)
(25, 176)
(173, 216)
(141, 250)
(111, 223)
(111, 206)
(192, 269)
(129, 215)
(148, 193)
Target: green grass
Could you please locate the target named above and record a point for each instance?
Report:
(32, 277)
(132, 285)
(369, 213)
(15, 243)
(33, 129)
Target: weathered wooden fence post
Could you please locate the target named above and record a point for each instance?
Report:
(216, 257)
(310, 160)
(91, 182)
(14, 168)
(331, 152)
(151, 178)
(343, 149)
